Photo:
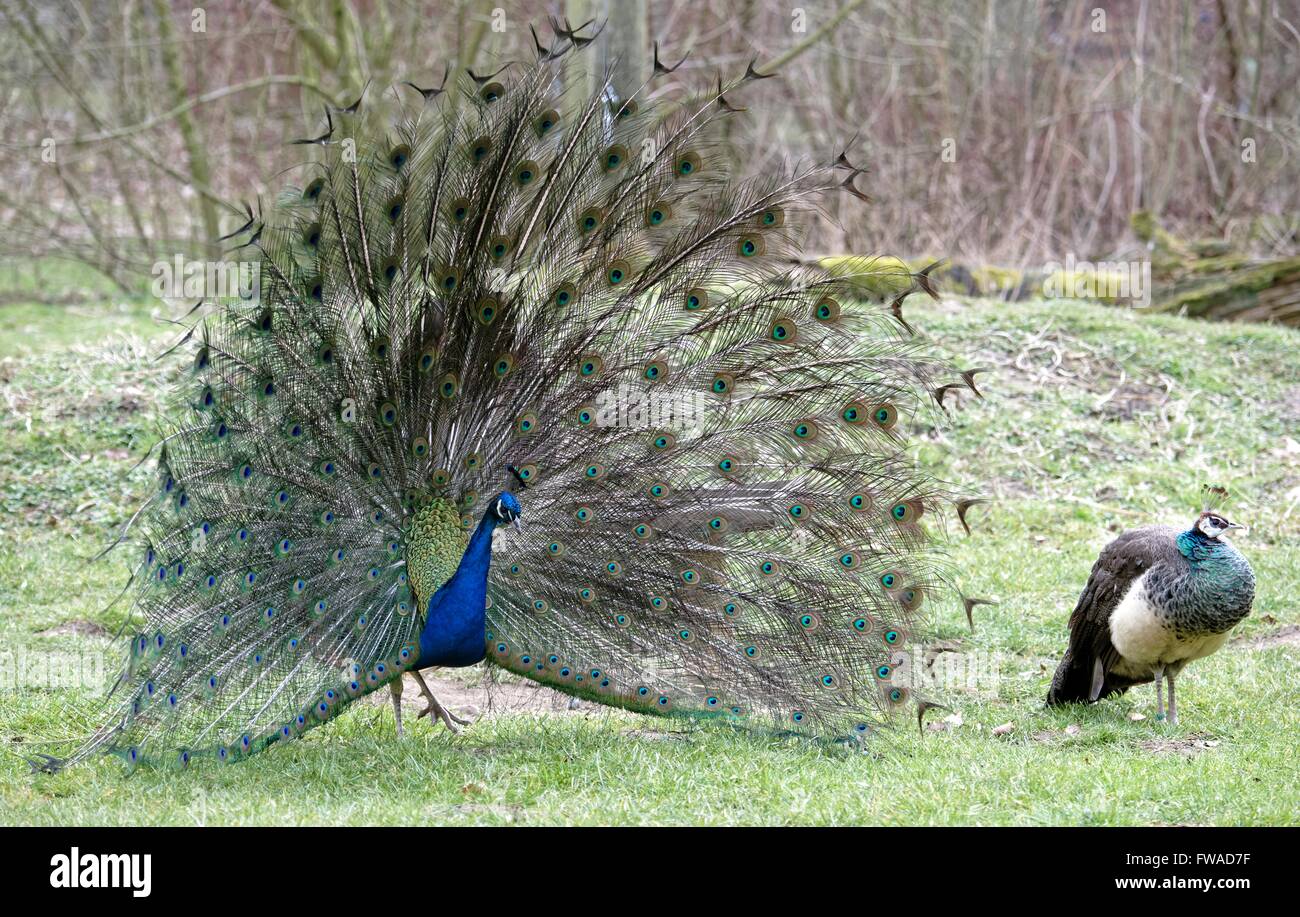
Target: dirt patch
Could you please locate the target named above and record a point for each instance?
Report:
(1130, 399)
(1051, 736)
(1290, 404)
(1053, 357)
(1188, 746)
(480, 696)
(75, 628)
(1288, 635)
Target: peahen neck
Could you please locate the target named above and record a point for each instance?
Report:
(1219, 586)
(1205, 552)
(455, 616)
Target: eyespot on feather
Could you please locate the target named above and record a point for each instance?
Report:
(859, 502)
(687, 164)
(783, 330)
(658, 213)
(697, 299)
(399, 156)
(826, 310)
(618, 272)
(590, 365)
(805, 430)
(546, 122)
(614, 158)
(479, 149)
(525, 173)
(907, 511)
(911, 597)
(486, 310)
(449, 280)
(565, 295)
(591, 219)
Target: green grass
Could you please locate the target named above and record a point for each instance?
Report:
(1095, 420)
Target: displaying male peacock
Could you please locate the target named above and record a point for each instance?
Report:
(510, 304)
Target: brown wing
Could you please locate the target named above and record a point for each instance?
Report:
(1121, 562)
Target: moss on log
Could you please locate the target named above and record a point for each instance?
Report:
(1204, 279)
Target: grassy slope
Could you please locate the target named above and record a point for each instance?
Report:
(1094, 421)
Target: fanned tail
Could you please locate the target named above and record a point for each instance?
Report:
(721, 517)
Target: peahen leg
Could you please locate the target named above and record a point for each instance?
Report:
(1173, 707)
(1160, 694)
(435, 708)
(395, 686)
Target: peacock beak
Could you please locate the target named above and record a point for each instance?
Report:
(519, 526)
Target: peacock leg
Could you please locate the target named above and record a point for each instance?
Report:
(1173, 708)
(437, 709)
(1160, 694)
(395, 686)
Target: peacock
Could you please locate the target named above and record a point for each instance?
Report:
(528, 378)
(1156, 599)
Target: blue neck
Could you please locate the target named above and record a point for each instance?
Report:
(455, 618)
(1218, 588)
(1197, 547)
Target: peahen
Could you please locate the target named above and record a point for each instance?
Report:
(513, 306)
(1156, 599)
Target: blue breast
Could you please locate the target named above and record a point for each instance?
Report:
(456, 616)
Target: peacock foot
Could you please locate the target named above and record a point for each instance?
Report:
(449, 719)
(435, 708)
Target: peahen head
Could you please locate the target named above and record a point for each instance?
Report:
(1212, 525)
(506, 509)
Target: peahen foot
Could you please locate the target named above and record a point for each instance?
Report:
(449, 719)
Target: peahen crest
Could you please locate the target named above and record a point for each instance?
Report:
(508, 290)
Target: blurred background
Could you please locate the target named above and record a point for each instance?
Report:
(995, 132)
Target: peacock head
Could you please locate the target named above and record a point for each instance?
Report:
(506, 509)
(1211, 524)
